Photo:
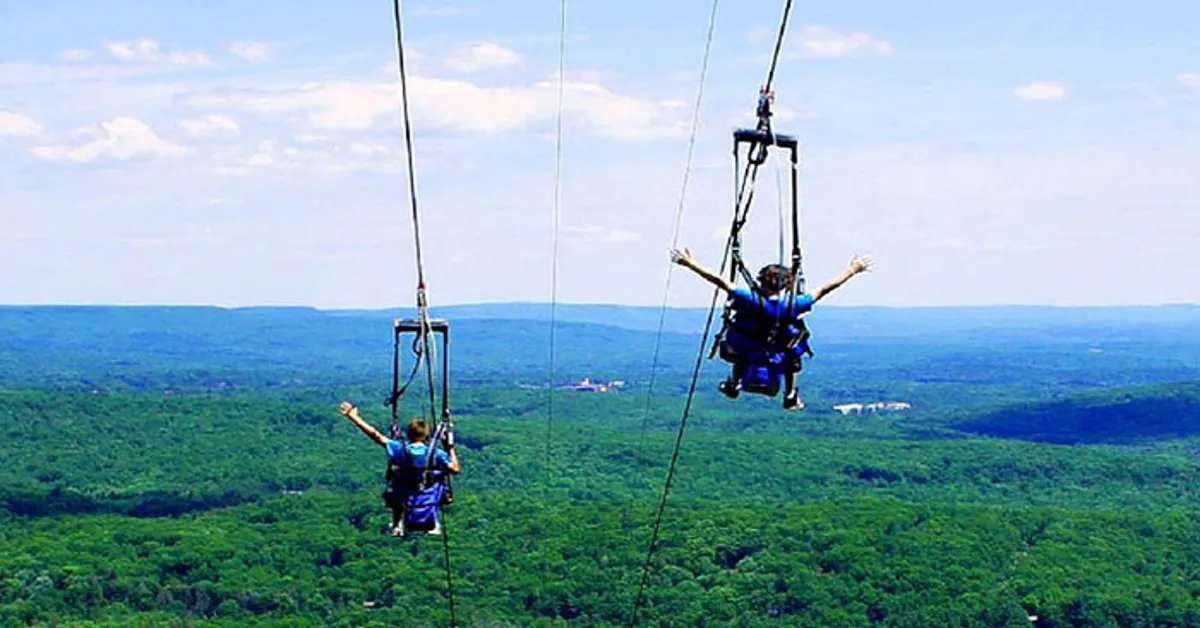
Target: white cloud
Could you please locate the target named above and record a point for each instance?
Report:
(341, 105)
(269, 156)
(211, 125)
(1189, 80)
(1042, 90)
(121, 138)
(621, 117)
(147, 50)
(261, 160)
(75, 55)
(24, 74)
(822, 41)
(18, 125)
(482, 56)
(370, 150)
(252, 51)
(234, 171)
(460, 106)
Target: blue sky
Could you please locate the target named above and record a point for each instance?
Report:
(983, 153)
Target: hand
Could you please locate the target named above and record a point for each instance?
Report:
(348, 409)
(448, 439)
(861, 264)
(683, 257)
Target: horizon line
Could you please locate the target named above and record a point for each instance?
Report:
(586, 304)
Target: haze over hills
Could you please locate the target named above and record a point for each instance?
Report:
(923, 354)
(890, 321)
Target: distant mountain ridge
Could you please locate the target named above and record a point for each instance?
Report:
(149, 346)
(872, 320)
(1117, 416)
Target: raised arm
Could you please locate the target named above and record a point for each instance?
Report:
(684, 258)
(860, 264)
(351, 412)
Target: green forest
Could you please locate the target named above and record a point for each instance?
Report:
(188, 467)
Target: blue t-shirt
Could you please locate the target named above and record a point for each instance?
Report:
(762, 312)
(416, 453)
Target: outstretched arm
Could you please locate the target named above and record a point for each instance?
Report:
(860, 264)
(684, 258)
(351, 412)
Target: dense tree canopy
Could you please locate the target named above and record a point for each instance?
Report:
(123, 502)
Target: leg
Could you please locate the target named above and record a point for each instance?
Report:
(791, 396)
(732, 386)
(397, 521)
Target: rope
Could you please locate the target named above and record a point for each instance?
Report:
(687, 175)
(397, 391)
(422, 298)
(449, 572)
(782, 212)
(555, 220)
(399, 388)
(798, 227)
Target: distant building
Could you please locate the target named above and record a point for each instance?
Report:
(869, 408)
(587, 385)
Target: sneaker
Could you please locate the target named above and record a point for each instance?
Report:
(398, 529)
(729, 389)
(437, 528)
(793, 402)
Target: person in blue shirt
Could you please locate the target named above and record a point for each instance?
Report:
(756, 316)
(407, 495)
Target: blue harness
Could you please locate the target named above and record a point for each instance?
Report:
(768, 340)
(420, 492)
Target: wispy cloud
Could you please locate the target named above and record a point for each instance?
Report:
(75, 55)
(823, 41)
(146, 50)
(483, 56)
(121, 138)
(1041, 91)
(271, 156)
(15, 124)
(252, 51)
(210, 125)
(457, 105)
(1189, 80)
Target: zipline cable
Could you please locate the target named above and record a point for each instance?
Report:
(555, 220)
(422, 298)
(783, 24)
(687, 175)
(745, 195)
(687, 410)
